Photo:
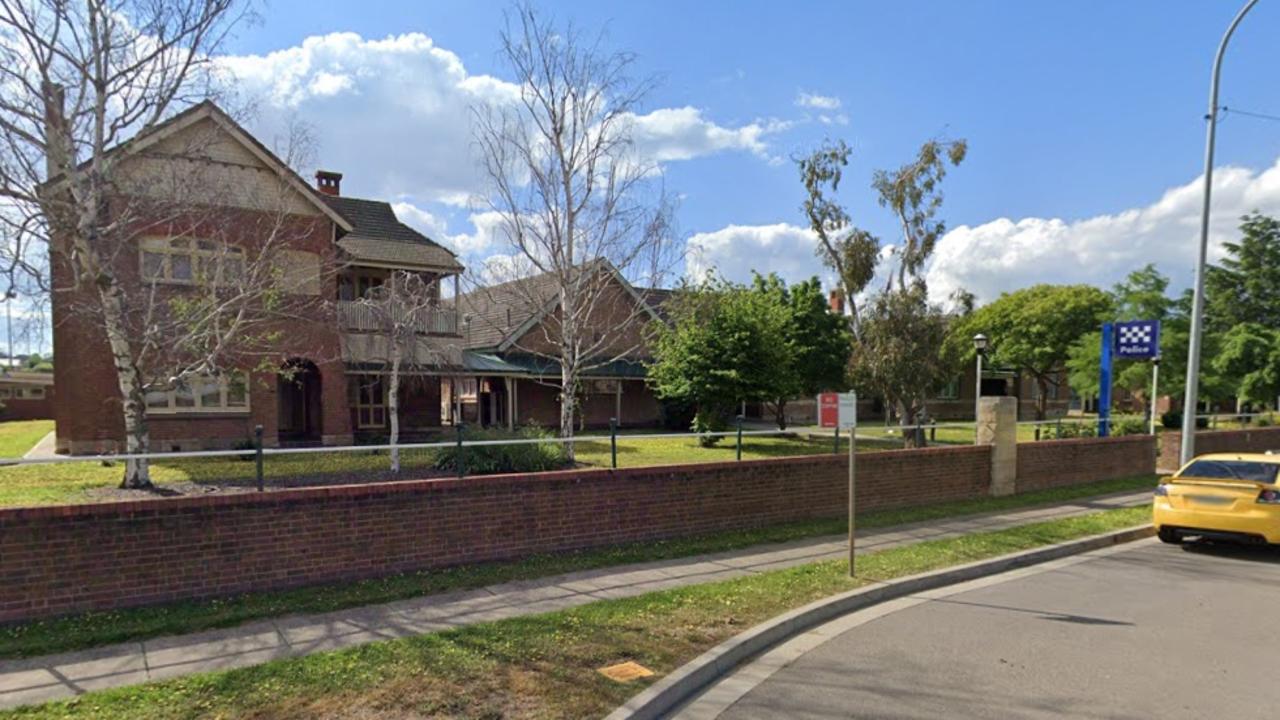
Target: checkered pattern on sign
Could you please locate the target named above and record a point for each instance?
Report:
(1136, 334)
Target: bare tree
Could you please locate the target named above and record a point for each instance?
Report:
(86, 86)
(580, 207)
(400, 312)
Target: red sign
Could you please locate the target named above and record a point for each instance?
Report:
(829, 410)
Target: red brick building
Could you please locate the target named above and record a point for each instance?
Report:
(510, 330)
(26, 395)
(325, 377)
(323, 382)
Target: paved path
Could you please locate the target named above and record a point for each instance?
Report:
(51, 677)
(1138, 631)
(46, 448)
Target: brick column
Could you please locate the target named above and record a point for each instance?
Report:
(998, 427)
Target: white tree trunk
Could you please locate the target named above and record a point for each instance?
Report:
(137, 435)
(393, 407)
(568, 400)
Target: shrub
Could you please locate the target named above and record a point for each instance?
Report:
(1265, 420)
(1172, 420)
(490, 459)
(246, 444)
(1128, 426)
(676, 414)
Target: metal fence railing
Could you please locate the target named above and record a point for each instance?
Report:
(462, 449)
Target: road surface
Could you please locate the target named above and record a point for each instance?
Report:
(1142, 631)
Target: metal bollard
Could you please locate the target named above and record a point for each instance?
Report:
(739, 437)
(257, 455)
(835, 449)
(613, 441)
(460, 458)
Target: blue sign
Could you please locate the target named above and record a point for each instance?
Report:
(1137, 339)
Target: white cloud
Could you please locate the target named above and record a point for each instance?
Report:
(683, 134)
(1005, 254)
(393, 114)
(825, 106)
(486, 232)
(814, 101)
(736, 250)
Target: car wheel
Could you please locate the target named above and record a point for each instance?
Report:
(1169, 535)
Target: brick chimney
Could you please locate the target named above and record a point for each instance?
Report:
(329, 182)
(836, 300)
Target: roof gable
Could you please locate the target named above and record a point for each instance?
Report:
(501, 315)
(242, 148)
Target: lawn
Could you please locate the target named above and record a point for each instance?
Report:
(19, 436)
(93, 629)
(543, 666)
(66, 483)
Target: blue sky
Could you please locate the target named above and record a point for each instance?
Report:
(1085, 119)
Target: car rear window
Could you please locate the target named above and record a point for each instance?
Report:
(1231, 470)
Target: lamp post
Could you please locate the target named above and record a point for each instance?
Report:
(980, 343)
(8, 321)
(1192, 401)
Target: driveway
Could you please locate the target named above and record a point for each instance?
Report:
(1146, 630)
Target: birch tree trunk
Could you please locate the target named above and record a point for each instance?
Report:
(393, 406)
(568, 400)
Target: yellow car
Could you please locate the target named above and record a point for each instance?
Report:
(1225, 496)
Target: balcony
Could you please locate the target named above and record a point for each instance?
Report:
(358, 317)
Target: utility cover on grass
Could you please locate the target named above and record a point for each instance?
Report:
(625, 672)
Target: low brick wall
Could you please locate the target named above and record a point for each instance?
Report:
(58, 560)
(1214, 441)
(1056, 463)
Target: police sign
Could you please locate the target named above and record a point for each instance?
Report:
(1137, 339)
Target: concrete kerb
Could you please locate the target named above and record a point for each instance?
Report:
(669, 693)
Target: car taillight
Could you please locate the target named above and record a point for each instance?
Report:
(1161, 490)
(1269, 497)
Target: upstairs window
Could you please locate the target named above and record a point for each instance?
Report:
(187, 261)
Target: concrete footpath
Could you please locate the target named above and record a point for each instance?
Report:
(51, 677)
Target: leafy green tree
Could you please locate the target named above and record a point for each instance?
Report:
(1245, 287)
(899, 357)
(1140, 296)
(850, 252)
(1033, 330)
(1247, 362)
(911, 192)
(725, 345)
(817, 340)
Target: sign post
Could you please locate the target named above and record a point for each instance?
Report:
(1136, 340)
(1104, 382)
(840, 410)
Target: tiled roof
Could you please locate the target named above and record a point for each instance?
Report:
(379, 236)
(498, 310)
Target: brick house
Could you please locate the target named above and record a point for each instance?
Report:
(26, 395)
(329, 385)
(508, 332)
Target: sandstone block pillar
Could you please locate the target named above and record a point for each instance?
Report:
(998, 427)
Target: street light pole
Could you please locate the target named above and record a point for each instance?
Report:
(980, 346)
(1192, 401)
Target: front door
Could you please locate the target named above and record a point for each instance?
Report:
(298, 396)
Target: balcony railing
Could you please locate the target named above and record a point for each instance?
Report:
(358, 317)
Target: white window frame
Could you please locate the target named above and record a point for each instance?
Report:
(195, 249)
(197, 385)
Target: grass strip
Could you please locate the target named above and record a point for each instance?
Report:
(94, 629)
(542, 666)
